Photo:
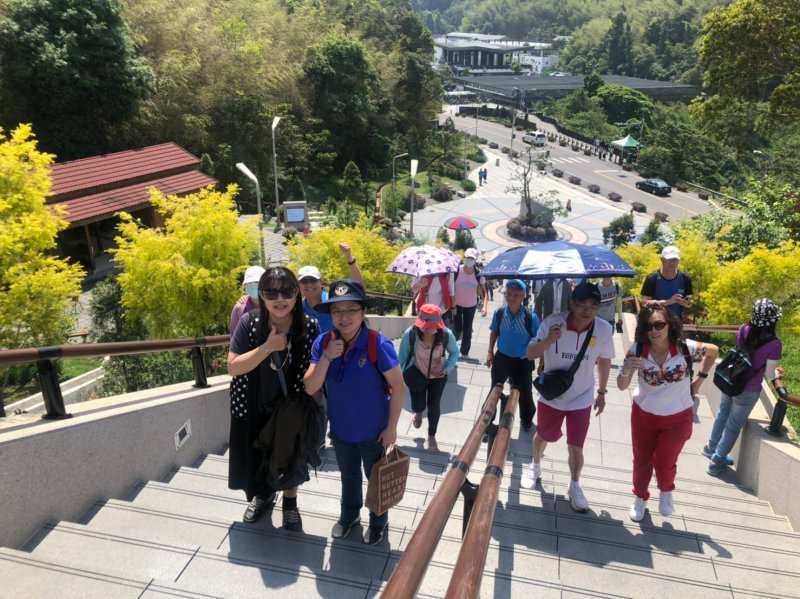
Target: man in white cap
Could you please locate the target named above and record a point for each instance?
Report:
(249, 301)
(669, 286)
(310, 280)
(470, 289)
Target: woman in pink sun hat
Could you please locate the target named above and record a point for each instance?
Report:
(425, 366)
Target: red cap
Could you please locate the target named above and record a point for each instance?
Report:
(429, 317)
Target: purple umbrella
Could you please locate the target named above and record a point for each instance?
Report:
(423, 260)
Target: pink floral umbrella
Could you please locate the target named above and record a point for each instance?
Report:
(423, 260)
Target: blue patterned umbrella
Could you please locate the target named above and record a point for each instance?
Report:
(557, 260)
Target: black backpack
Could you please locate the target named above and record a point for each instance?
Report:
(731, 374)
(526, 311)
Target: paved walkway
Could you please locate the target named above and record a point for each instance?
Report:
(493, 204)
(183, 536)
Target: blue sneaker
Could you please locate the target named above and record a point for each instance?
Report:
(706, 451)
(716, 468)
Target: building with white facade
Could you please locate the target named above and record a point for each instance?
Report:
(478, 52)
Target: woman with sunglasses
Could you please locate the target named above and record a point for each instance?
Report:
(662, 414)
(425, 366)
(278, 335)
(365, 391)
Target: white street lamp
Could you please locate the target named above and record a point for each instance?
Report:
(275, 122)
(414, 165)
(249, 174)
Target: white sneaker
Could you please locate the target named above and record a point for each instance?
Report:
(532, 473)
(665, 506)
(577, 500)
(637, 509)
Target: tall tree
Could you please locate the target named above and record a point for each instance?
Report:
(619, 45)
(69, 67)
(751, 50)
(345, 93)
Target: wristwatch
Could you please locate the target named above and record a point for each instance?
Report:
(602, 391)
(353, 261)
(702, 375)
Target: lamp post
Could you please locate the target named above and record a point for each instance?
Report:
(394, 177)
(249, 174)
(513, 123)
(414, 164)
(275, 122)
(466, 169)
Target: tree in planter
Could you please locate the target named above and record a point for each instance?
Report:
(535, 209)
(619, 231)
(463, 241)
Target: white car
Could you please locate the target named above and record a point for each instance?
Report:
(537, 139)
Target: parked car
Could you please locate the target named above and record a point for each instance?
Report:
(657, 187)
(494, 145)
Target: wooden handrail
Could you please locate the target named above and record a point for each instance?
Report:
(465, 581)
(411, 568)
(31, 355)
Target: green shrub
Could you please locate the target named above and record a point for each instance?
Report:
(619, 231)
(638, 207)
(468, 185)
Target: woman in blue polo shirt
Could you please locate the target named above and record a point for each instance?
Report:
(358, 369)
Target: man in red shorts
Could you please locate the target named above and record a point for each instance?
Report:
(559, 340)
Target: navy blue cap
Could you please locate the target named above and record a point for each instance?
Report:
(343, 290)
(586, 291)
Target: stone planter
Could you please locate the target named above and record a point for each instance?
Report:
(594, 188)
(614, 196)
(574, 180)
(638, 207)
(703, 195)
(557, 172)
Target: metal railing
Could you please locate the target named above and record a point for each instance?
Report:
(465, 581)
(410, 570)
(48, 376)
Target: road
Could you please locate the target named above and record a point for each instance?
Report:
(608, 175)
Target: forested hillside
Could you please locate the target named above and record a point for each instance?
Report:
(649, 38)
(352, 81)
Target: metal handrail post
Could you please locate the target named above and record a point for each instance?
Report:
(411, 568)
(51, 391)
(199, 368)
(465, 581)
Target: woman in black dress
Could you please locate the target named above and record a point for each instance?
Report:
(278, 334)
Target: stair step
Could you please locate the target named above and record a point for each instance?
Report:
(312, 561)
(25, 576)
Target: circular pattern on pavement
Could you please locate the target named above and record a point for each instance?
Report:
(496, 232)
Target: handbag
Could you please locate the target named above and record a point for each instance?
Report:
(553, 384)
(731, 375)
(387, 481)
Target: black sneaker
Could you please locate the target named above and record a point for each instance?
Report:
(292, 520)
(258, 507)
(375, 534)
(341, 531)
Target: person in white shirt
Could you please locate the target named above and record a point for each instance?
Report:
(559, 341)
(438, 290)
(661, 420)
(610, 303)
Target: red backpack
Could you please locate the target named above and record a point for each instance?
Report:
(372, 351)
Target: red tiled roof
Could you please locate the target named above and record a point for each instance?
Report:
(121, 169)
(90, 207)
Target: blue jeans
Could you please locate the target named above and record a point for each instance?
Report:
(350, 457)
(732, 416)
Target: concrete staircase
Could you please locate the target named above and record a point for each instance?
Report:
(183, 537)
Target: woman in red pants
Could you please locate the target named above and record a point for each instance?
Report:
(661, 420)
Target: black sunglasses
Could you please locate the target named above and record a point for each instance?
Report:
(658, 326)
(279, 292)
